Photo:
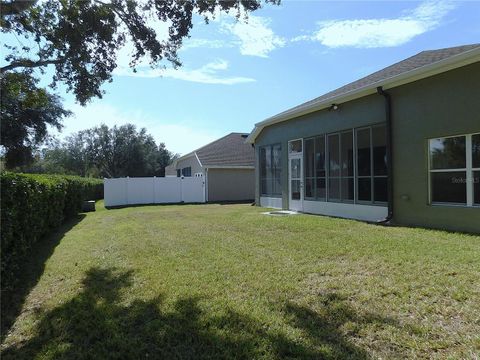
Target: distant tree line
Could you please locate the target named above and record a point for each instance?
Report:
(101, 151)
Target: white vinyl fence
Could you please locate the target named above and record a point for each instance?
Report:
(153, 190)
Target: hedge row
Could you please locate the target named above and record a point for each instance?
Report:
(31, 207)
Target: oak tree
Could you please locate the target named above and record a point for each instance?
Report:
(81, 38)
(26, 111)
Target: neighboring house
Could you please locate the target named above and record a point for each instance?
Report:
(401, 144)
(227, 165)
(170, 170)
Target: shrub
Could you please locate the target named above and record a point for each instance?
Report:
(32, 206)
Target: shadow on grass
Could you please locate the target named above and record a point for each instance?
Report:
(226, 202)
(32, 268)
(117, 207)
(95, 324)
(333, 325)
(393, 224)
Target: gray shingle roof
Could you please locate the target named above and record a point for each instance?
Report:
(230, 150)
(421, 59)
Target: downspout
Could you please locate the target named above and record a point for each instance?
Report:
(388, 120)
(257, 178)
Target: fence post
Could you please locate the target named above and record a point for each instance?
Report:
(105, 201)
(181, 189)
(154, 195)
(204, 189)
(126, 188)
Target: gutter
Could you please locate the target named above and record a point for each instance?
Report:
(388, 121)
(248, 167)
(198, 159)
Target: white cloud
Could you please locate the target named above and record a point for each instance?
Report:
(252, 34)
(255, 36)
(205, 43)
(368, 33)
(178, 137)
(207, 74)
(373, 33)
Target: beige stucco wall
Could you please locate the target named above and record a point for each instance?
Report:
(192, 162)
(231, 184)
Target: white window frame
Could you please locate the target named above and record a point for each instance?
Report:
(469, 169)
(296, 155)
(472, 170)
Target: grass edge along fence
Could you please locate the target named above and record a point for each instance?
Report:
(32, 206)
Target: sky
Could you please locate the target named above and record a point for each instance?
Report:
(236, 74)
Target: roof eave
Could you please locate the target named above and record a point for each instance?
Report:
(453, 62)
(229, 167)
(186, 156)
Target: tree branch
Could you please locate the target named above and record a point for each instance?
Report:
(15, 7)
(30, 64)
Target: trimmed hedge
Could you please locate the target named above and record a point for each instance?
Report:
(33, 205)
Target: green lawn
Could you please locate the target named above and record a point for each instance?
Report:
(225, 281)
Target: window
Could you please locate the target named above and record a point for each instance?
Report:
(364, 165)
(372, 179)
(314, 160)
(271, 170)
(476, 187)
(187, 171)
(379, 149)
(334, 167)
(320, 169)
(476, 151)
(346, 156)
(340, 167)
(356, 162)
(309, 161)
(179, 172)
(455, 170)
(476, 168)
(295, 146)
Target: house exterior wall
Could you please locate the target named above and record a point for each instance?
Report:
(192, 162)
(357, 113)
(231, 184)
(442, 105)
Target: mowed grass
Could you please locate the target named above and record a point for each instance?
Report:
(225, 281)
